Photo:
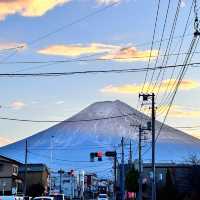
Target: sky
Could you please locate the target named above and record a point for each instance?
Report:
(112, 34)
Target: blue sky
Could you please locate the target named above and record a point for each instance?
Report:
(128, 24)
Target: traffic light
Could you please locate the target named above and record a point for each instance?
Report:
(111, 153)
(92, 155)
(71, 173)
(96, 154)
(99, 156)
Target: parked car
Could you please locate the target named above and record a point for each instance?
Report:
(58, 196)
(102, 197)
(11, 197)
(43, 198)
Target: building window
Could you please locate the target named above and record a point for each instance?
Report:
(1, 167)
(15, 170)
(160, 177)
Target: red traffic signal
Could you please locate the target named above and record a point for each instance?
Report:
(99, 155)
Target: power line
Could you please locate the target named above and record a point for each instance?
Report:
(128, 70)
(66, 121)
(160, 44)
(168, 48)
(187, 60)
(154, 33)
(77, 21)
(53, 62)
(176, 61)
(188, 127)
(90, 60)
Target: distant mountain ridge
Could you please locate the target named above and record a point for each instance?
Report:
(99, 126)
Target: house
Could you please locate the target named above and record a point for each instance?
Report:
(181, 176)
(9, 179)
(37, 176)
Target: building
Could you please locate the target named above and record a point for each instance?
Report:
(181, 175)
(91, 186)
(37, 175)
(9, 179)
(70, 183)
(91, 182)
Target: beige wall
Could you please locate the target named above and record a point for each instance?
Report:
(37, 178)
(6, 169)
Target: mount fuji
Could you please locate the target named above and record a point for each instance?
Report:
(99, 127)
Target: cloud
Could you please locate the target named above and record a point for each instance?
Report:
(107, 51)
(77, 49)
(107, 2)
(12, 45)
(28, 8)
(183, 3)
(4, 141)
(193, 132)
(130, 54)
(60, 102)
(17, 105)
(180, 111)
(136, 88)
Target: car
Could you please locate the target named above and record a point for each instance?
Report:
(43, 198)
(58, 196)
(11, 197)
(102, 197)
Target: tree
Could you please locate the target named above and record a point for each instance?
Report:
(193, 159)
(168, 191)
(131, 181)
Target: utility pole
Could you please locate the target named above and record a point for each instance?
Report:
(141, 133)
(146, 98)
(79, 184)
(153, 147)
(113, 154)
(123, 174)
(61, 172)
(130, 154)
(50, 177)
(140, 162)
(25, 170)
(115, 176)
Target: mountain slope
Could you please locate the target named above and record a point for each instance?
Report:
(99, 127)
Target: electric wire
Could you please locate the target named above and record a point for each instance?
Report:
(63, 27)
(154, 33)
(167, 50)
(160, 44)
(117, 71)
(187, 60)
(164, 97)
